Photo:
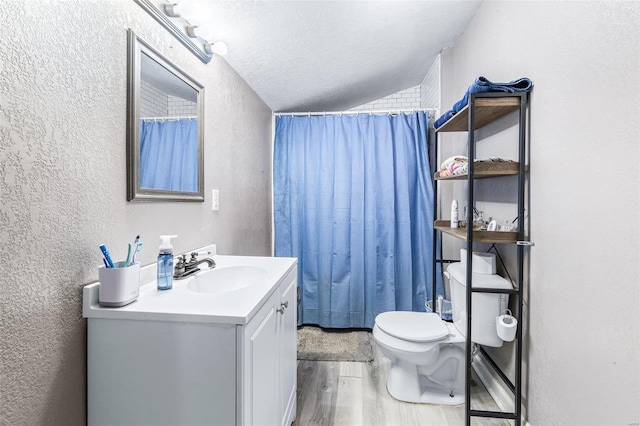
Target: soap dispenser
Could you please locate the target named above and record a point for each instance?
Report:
(165, 263)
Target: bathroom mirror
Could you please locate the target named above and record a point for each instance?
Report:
(165, 140)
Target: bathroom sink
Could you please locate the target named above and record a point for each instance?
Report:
(225, 279)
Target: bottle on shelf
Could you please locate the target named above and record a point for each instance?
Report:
(454, 214)
(479, 223)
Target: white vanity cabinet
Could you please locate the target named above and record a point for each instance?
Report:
(289, 354)
(269, 361)
(179, 357)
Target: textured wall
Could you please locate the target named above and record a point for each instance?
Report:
(583, 333)
(63, 185)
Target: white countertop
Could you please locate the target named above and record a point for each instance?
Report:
(181, 304)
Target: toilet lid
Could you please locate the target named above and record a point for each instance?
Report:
(412, 326)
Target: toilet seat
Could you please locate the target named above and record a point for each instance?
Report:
(417, 327)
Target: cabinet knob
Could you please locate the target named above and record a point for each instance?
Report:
(283, 305)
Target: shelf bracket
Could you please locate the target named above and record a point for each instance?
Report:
(526, 243)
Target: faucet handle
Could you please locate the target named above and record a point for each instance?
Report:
(180, 266)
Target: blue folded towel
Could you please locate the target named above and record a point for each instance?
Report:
(482, 85)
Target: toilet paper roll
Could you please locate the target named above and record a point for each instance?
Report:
(506, 326)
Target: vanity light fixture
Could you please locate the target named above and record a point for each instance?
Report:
(190, 12)
(172, 18)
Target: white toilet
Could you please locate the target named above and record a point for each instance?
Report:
(428, 354)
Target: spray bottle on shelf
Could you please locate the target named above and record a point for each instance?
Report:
(454, 214)
(165, 263)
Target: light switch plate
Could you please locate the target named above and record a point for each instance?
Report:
(215, 200)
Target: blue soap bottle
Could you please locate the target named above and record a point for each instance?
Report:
(165, 263)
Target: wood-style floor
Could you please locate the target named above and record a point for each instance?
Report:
(355, 393)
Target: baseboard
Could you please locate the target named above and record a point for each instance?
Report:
(498, 390)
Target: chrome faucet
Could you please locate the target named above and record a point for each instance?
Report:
(184, 269)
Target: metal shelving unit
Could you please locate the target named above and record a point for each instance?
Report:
(482, 109)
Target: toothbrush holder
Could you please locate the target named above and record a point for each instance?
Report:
(118, 286)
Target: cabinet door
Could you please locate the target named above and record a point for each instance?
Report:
(262, 403)
(289, 346)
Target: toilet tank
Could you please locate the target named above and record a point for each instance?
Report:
(486, 306)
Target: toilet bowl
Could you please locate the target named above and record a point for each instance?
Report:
(428, 354)
(427, 357)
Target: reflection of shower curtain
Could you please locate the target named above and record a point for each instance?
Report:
(353, 202)
(169, 155)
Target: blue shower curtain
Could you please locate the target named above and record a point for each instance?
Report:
(168, 152)
(353, 201)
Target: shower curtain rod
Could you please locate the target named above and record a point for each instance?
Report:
(191, 117)
(382, 111)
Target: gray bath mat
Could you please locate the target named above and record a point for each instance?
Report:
(318, 344)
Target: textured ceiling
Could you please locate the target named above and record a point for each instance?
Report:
(334, 55)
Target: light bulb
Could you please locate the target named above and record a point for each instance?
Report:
(219, 48)
(204, 31)
(191, 10)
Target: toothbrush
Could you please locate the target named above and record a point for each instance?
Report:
(128, 261)
(135, 251)
(107, 256)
